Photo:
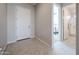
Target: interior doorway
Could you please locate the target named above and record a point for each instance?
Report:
(69, 21)
(57, 22)
(64, 28)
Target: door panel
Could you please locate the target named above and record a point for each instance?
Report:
(23, 23)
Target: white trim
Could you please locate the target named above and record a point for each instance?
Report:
(42, 41)
(3, 50)
(26, 38)
(9, 42)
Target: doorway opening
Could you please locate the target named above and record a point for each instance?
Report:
(64, 28)
(56, 22)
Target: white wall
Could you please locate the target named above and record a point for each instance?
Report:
(43, 23)
(3, 24)
(11, 20)
(11, 25)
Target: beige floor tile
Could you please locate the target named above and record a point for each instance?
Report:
(27, 47)
(35, 47)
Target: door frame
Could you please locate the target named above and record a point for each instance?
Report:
(60, 22)
(63, 20)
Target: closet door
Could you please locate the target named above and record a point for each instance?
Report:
(23, 23)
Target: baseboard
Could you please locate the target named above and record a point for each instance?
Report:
(42, 41)
(11, 42)
(3, 50)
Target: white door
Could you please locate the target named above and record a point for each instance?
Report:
(23, 21)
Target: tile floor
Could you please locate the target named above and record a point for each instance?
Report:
(35, 47)
(28, 47)
(66, 47)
